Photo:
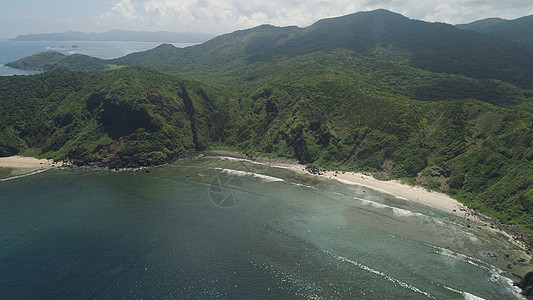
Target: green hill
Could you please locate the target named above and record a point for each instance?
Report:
(126, 117)
(48, 61)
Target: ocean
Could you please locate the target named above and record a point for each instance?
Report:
(223, 228)
(13, 50)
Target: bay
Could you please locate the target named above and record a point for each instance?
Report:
(13, 50)
(209, 228)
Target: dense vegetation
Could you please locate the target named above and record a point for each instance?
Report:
(426, 103)
(126, 117)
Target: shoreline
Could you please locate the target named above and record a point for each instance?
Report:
(22, 166)
(24, 162)
(392, 187)
(416, 194)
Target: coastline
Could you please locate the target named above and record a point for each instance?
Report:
(392, 187)
(21, 166)
(397, 189)
(23, 162)
(26, 166)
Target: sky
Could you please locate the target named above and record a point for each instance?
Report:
(223, 16)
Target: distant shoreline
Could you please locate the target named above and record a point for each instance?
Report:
(119, 35)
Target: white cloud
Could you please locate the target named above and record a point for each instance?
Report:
(123, 12)
(455, 11)
(221, 16)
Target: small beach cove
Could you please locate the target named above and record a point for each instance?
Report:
(400, 191)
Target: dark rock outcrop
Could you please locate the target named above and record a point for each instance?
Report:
(527, 285)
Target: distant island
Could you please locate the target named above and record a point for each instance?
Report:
(119, 35)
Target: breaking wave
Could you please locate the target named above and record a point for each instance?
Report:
(399, 212)
(381, 274)
(250, 174)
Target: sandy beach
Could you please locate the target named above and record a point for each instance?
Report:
(403, 191)
(392, 187)
(395, 188)
(26, 162)
(409, 193)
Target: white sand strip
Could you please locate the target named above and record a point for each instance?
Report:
(22, 162)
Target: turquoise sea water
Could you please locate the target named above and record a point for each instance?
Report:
(13, 50)
(213, 228)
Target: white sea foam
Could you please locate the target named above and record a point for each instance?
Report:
(472, 237)
(469, 296)
(240, 159)
(381, 274)
(496, 274)
(369, 187)
(303, 185)
(461, 257)
(405, 213)
(497, 277)
(373, 203)
(24, 175)
(244, 173)
(399, 212)
(452, 289)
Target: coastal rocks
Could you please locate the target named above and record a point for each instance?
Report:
(315, 170)
(527, 285)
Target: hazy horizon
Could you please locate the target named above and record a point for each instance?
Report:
(218, 17)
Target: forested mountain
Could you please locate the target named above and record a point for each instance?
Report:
(378, 34)
(518, 30)
(447, 108)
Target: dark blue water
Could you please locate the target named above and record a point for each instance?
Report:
(226, 229)
(13, 50)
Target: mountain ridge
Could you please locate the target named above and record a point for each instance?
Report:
(436, 47)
